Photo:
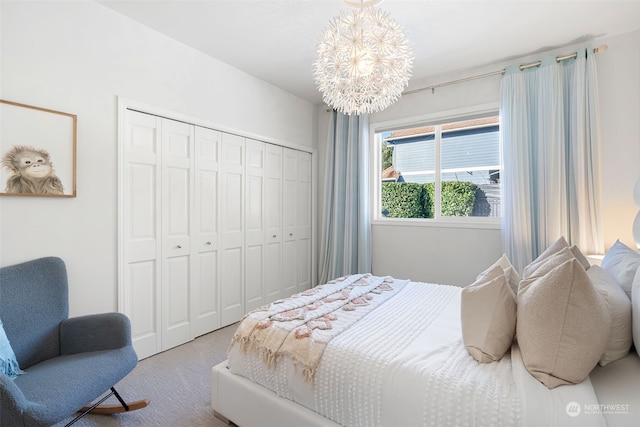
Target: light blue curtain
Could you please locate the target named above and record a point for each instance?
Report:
(551, 173)
(345, 242)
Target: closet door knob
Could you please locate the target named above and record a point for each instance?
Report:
(208, 243)
(179, 246)
(274, 236)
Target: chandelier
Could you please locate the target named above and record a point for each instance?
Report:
(364, 60)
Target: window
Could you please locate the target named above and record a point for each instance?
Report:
(440, 170)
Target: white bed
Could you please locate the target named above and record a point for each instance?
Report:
(404, 364)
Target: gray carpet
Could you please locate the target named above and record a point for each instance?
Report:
(177, 382)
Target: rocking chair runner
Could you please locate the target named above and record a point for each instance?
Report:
(68, 361)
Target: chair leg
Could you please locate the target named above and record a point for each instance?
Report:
(96, 408)
(122, 402)
(113, 391)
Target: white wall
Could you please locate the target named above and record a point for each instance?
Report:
(619, 84)
(78, 57)
(457, 255)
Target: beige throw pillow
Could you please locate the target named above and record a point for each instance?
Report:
(580, 257)
(510, 273)
(545, 265)
(488, 316)
(554, 248)
(563, 325)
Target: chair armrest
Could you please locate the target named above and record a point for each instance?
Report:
(94, 332)
(12, 401)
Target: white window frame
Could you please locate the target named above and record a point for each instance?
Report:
(439, 118)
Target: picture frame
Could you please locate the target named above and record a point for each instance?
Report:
(37, 151)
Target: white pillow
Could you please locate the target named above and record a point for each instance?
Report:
(620, 336)
(622, 263)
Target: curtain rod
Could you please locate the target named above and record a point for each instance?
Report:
(600, 49)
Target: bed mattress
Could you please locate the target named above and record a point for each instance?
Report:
(404, 363)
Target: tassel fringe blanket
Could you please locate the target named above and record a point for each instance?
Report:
(301, 326)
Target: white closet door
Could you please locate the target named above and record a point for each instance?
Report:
(177, 191)
(211, 226)
(141, 231)
(303, 221)
(289, 218)
(273, 284)
(205, 240)
(254, 224)
(231, 229)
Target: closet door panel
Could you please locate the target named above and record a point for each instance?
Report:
(232, 232)
(273, 272)
(177, 185)
(303, 196)
(206, 295)
(177, 140)
(205, 241)
(141, 306)
(142, 230)
(303, 273)
(289, 268)
(176, 211)
(254, 262)
(232, 295)
(289, 221)
(254, 223)
(176, 316)
(303, 221)
(273, 284)
(290, 187)
(141, 150)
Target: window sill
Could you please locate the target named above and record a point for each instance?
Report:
(484, 223)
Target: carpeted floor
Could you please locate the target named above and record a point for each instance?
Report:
(177, 382)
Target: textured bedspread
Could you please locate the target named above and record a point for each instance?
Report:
(404, 364)
(300, 326)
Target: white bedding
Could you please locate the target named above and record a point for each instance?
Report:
(405, 364)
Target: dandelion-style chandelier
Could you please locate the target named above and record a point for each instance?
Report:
(364, 60)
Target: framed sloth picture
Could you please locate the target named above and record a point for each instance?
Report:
(37, 151)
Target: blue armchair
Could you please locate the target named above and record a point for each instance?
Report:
(68, 362)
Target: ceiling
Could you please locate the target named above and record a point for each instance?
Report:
(275, 40)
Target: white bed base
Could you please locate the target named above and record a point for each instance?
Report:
(618, 383)
(247, 404)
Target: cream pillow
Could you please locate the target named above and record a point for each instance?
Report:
(550, 262)
(580, 257)
(555, 247)
(563, 325)
(622, 263)
(510, 273)
(620, 336)
(488, 316)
